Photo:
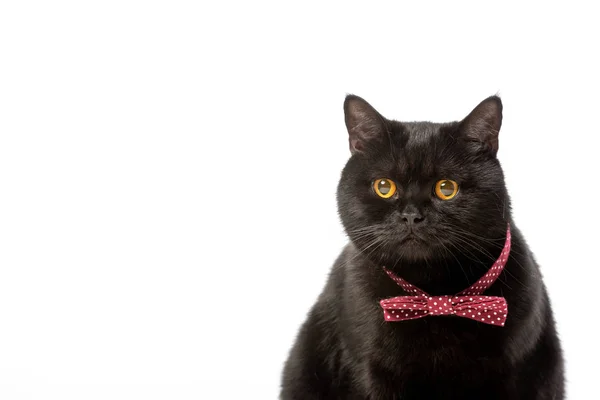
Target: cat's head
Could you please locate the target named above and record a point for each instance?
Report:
(420, 191)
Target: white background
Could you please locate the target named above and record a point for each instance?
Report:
(168, 174)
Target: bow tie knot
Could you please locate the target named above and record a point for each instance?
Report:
(440, 304)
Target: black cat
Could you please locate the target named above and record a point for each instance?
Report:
(427, 202)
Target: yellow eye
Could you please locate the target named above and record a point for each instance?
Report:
(384, 188)
(446, 189)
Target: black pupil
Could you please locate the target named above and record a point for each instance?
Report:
(384, 187)
(447, 188)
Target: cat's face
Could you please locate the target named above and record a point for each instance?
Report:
(422, 191)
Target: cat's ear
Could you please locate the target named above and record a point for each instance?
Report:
(483, 124)
(365, 125)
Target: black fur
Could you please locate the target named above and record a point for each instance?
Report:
(345, 350)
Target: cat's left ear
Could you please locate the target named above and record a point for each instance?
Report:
(365, 125)
(483, 124)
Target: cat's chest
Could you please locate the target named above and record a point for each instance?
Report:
(432, 368)
(438, 364)
(438, 346)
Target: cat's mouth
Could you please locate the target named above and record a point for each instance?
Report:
(412, 238)
(413, 247)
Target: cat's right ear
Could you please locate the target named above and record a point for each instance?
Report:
(482, 125)
(365, 125)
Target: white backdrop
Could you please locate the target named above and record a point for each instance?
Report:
(168, 169)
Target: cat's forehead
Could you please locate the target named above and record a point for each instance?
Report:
(419, 148)
(420, 134)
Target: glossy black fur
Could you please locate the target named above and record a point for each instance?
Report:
(345, 350)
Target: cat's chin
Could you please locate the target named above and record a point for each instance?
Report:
(415, 249)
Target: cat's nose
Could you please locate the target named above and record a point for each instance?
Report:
(412, 218)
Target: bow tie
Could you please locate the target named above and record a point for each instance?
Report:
(467, 304)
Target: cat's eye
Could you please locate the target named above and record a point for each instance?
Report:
(446, 189)
(384, 188)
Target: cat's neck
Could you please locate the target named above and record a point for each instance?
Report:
(449, 274)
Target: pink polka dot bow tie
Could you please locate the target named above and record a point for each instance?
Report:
(467, 304)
